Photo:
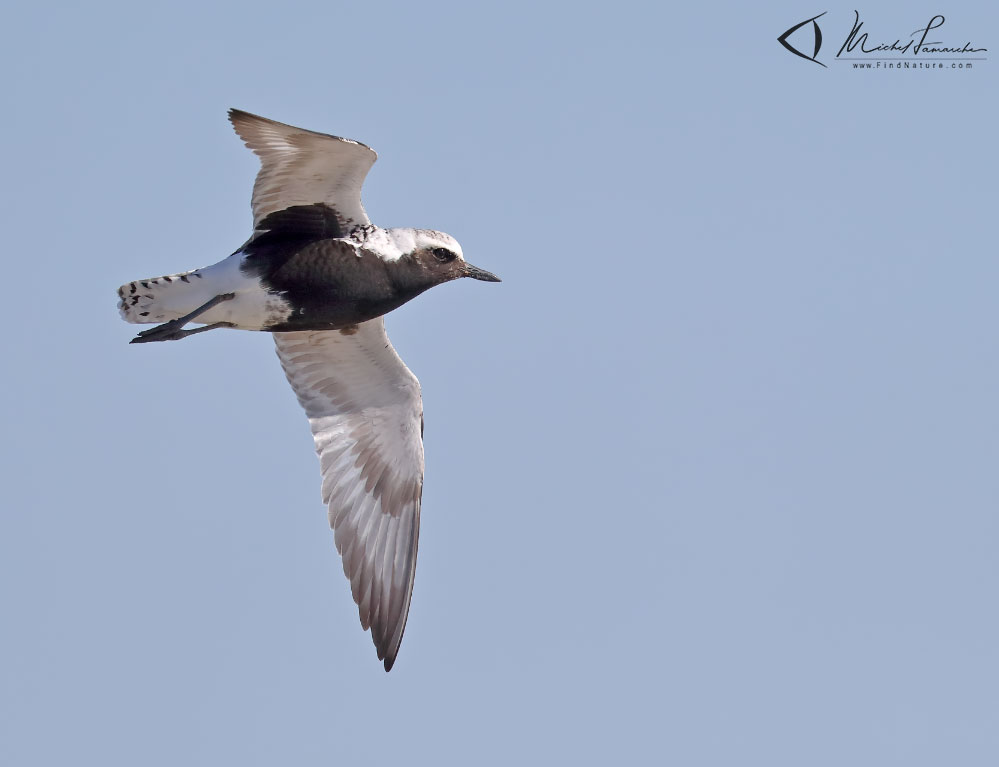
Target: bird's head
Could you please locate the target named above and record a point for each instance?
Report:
(438, 256)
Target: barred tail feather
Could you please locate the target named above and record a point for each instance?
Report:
(161, 299)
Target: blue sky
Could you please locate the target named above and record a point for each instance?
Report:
(711, 477)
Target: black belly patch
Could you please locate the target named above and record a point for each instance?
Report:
(330, 283)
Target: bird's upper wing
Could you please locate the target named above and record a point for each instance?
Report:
(366, 413)
(301, 167)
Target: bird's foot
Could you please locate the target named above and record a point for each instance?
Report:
(173, 330)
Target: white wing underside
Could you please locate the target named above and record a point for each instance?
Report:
(302, 167)
(366, 414)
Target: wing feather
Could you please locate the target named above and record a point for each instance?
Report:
(302, 167)
(365, 410)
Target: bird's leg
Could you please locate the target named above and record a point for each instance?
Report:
(173, 330)
(176, 335)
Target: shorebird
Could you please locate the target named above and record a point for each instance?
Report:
(320, 277)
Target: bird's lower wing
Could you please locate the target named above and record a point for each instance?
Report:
(366, 414)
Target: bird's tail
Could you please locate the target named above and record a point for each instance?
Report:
(161, 299)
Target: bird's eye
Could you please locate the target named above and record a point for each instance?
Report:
(444, 255)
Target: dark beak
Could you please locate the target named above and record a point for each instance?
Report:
(480, 274)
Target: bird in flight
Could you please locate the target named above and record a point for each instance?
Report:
(320, 277)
